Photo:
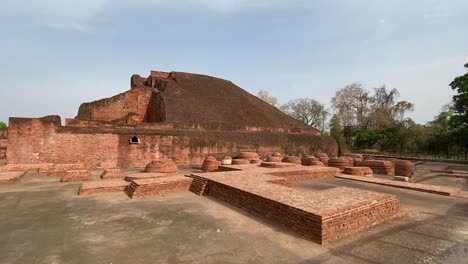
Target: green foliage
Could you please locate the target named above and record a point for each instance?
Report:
(460, 100)
(381, 138)
(3, 125)
(366, 138)
(336, 131)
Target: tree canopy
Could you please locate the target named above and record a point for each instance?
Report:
(3, 125)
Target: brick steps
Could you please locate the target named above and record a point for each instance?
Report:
(11, 176)
(103, 186)
(158, 186)
(447, 191)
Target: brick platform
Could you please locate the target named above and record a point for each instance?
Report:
(40, 167)
(114, 173)
(321, 216)
(447, 191)
(291, 172)
(158, 186)
(76, 176)
(104, 186)
(148, 175)
(11, 176)
(59, 170)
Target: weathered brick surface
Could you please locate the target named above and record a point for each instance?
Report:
(3, 142)
(147, 175)
(384, 167)
(270, 164)
(359, 171)
(448, 191)
(158, 186)
(40, 167)
(103, 186)
(59, 170)
(11, 176)
(44, 140)
(113, 173)
(199, 185)
(322, 216)
(76, 175)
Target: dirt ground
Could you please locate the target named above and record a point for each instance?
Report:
(44, 221)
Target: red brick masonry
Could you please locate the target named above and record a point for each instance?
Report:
(105, 186)
(406, 185)
(321, 216)
(76, 175)
(115, 173)
(158, 186)
(10, 177)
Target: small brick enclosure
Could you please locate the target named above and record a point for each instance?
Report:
(321, 216)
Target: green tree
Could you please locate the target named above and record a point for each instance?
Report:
(460, 100)
(336, 131)
(3, 125)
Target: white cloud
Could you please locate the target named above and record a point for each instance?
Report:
(77, 14)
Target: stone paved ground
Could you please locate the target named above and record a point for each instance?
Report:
(44, 221)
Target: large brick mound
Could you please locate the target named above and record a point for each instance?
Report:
(405, 168)
(170, 98)
(162, 166)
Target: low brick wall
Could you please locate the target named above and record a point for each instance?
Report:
(306, 175)
(441, 190)
(158, 186)
(10, 177)
(99, 187)
(321, 216)
(114, 173)
(76, 176)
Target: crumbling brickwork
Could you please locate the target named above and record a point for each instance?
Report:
(44, 140)
(3, 142)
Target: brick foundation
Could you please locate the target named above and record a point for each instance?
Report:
(447, 191)
(10, 177)
(321, 216)
(98, 187)
(115, 173)
(76, 176)
(158, 186)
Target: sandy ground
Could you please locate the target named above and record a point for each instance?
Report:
(44, 221)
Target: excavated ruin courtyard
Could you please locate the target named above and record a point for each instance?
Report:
(45, 221)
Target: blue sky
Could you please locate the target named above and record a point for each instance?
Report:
(57, 54)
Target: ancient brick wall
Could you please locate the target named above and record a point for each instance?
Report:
(3, 142)
(46, 141)
(117, 107)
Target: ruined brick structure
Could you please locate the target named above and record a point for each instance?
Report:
(3, 142)
(167, 115)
